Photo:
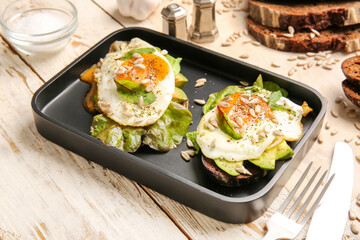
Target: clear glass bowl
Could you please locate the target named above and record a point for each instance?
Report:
(39, 27)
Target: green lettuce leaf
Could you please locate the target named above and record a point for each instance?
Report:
(132, 91)
(274, 97)
(215, 98)
(169, 130)
(192, 137)
(273, 87)
(174, 62)
(128, 55)
(259, 82)
(125, 138)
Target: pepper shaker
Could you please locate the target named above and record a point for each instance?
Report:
(174, 21)
(203, 27)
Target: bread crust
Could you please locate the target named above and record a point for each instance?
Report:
(304, 15)
(227, 180)
(347, 38)
(351, 89)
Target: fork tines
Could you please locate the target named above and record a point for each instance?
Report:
(291, 210)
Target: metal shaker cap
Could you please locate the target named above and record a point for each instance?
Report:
(204, 2)
(174, 21)
(173, 12)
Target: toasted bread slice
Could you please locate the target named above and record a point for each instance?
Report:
(346, 38)
(227, 180)
(304, 14)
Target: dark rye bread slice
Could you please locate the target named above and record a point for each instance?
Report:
(351, 86)
(227, 180)
(303, 14)
(346, 38)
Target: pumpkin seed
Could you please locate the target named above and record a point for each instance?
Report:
(352, 114)
(303, 57)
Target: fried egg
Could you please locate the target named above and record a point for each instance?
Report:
(150, 71)
(260, 127)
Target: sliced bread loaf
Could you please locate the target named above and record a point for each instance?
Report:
(304, 15)
(347, 38)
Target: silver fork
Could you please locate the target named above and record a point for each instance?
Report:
(285, 225)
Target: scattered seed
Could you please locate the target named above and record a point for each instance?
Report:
(209, 126)
(227, 99)
(305, 67)
(274, 120)
(302, 57)
(254, 101)
(318, 58)
(355, 227)
(278, 133)
(310, 64)
(349, 139)
(258, 108)
(312, 35)
(244, 83)
(315, 32)
(199, 84)
(244, 100)
(292, 71)
(334, 114)
(145, 81)
(262, 135)
(241, 169)
(148, 88)
(246, 41)
(151, 121)
(239, 121)
(189, 143)
(310, 54)
(107, 110)
(288, 35)
(267, 129)
(138, 61)
(185, 155)
(244, 56)
(334, 132)
(352, 215)
(191, 153)
(274, 64)
(339, 99)
(345, 104)
(136, 55)
(213, 122)
(226, 44)
(291, 117)
(252, 112)
(320, 139)
(327, 125)
(291, 30)
(201, 80)
(245, 32)
(327, 67)
(200, 101)
(141, 102)
(292, 58)
(255, 43)
(164, 52)
(357, 125)
(357, 143)
(301, 63)
(224, 104)
(140, 66)
(128, 113)
(213, 144)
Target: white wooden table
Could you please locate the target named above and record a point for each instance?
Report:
(47, 192)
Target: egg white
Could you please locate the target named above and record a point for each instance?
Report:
(216, 144)
(115, 106)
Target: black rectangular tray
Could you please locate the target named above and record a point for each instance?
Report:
(61, 117)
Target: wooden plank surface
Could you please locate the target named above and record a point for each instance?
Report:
(50, 193)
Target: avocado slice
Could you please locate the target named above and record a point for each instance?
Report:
(179, 96)
(180, 80)
(266, 161)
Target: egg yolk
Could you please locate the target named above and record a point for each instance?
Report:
(245, 109)
(152, 67)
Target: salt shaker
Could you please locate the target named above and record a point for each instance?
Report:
(203, 27)
(174, 21)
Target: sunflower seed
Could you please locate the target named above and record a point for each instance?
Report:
(327, 67)
(148, 88)
(189, 143)
(292, 71)
(267, 129)
(239, 121)
(224, 104)
(293, 58)
(213, 122)
(191, 153)
(349, 139)
(357, 143)
(199, 84)
(141, 102)
(291, 117)
(209, 126)
(107, 110)
(151, 121)
(244, 56)
(241, 169)
(310, 64)
(312, 35)
(303, 57)
(339, 99)
(213, 143)
(262, 135)
(227, 99)
(334, 114)
(138, 61)
(275, 64)
(120, 70)
(344, 104)
(352, 215)
(310, 54)
(301, 63)
(201, 80)
(245, 32)
(320, 139)
(355, 227)
(226, 44)
(254, 101)
(274, 120)
(200, 101)
(164, 52)
(291, 29)
(255, 43)
(334, 132)
(288, 35)
(145, 81)
(327, 125)
(257, 108)
(103, 104)
(252, 112)
(315, 32)
(278, 133)
(357, 125)
(128, 113)
(244, 83)
(137, 55)
(185, 155)
(244, 100)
